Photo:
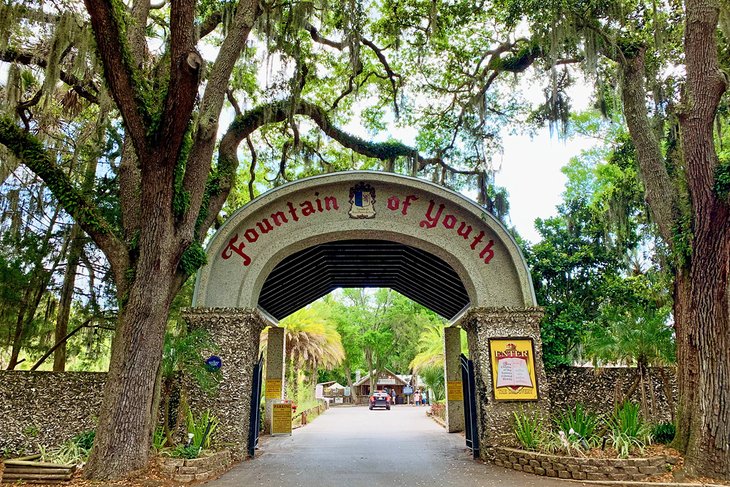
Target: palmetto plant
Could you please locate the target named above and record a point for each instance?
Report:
(529, 430)
(431, 347)
(578, 424)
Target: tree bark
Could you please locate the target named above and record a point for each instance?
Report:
(703, 297)
(127, 419)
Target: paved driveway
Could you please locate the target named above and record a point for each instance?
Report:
(355, 447)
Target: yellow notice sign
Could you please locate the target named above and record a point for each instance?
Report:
(513, 369)
(273, 388)
(454, 390)
(281, 419)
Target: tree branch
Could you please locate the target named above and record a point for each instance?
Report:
(281, 111)
(32, 153)
(186, 66)
(12, 55)
(118, 69)
(198, 167)
(314, 33)
(391, 75)
(661, 194)
(63, 340)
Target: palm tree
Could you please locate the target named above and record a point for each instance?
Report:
(431, 347)
(634, 334)
(312, 343)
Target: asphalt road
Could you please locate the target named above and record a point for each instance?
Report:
(355, 447)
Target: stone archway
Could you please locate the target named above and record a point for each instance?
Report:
(296, 243)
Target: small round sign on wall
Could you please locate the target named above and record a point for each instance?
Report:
(213, 363)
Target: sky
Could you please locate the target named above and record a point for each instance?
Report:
(530, 171)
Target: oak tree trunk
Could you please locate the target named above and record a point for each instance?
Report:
(129, 407)
(703, 297)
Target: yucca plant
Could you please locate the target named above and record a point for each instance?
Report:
(628, 429)
(529, 430)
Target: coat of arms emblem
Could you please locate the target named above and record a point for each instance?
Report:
(362, 201)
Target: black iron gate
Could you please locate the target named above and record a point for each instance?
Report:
(470, 405)
(255, 418)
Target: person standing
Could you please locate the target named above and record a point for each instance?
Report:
(392, 396)
(417, 397)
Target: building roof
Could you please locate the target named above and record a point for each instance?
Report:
(397, 379)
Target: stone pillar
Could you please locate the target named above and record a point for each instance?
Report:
(496, 417)
(235, 333)
(452, 374)
(275, 373)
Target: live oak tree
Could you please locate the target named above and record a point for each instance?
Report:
(667, 60)
(141, 63)
(435, 66)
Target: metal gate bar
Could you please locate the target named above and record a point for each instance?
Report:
(470, 405)
(255, 417)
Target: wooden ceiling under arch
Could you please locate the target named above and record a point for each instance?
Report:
(309, 274)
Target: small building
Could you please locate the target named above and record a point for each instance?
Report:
(386, 380)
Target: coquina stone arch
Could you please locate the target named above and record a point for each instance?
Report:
(302, 240)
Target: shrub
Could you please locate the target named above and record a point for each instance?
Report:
(85, 440)
(579, 425)
(158, 439)
(628, 429)
(182, 451)
(202, 429)
(664, 432)
(528, 430)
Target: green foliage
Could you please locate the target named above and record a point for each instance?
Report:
(664, 433)
(577, 423)
(203, 429)
(628, 430)
(529, 429)
(633, 333)
(158, 439)
(72, 452)
(187, 452)
(193, 258)
(182, 352)
(722, 178)
(591, 271)
(433, 378)
(85, 440)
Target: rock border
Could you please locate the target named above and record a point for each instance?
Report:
(197, 469)
(578, 468)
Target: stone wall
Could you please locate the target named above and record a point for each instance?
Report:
(481, 324)
(197, 469)
(46, 408)
(236, 334)
(600, 389)
(581, 468)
